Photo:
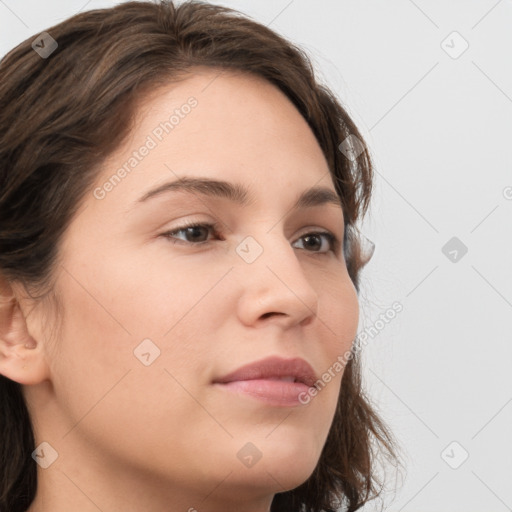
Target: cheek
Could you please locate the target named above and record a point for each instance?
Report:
(156, 299)
(103, 386)
(339, 317)
(93, 351)
(114, 316)
(340, 307)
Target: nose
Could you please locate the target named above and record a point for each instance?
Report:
(275, 287)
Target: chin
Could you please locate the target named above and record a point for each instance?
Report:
(292, 467)
(284, 464)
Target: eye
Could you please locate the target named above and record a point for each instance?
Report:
(195, 233)
(193, 230)
(316, 238)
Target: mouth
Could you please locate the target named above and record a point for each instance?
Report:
(274, 380)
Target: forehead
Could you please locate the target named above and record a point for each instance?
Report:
(227, 125)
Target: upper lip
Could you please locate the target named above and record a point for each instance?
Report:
(273, 367)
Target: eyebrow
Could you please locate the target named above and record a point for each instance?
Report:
(315, 196)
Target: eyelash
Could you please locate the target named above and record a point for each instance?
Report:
(215, 228)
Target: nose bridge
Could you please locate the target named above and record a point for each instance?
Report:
(274, 280)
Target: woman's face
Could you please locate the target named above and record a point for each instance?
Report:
(152, 321)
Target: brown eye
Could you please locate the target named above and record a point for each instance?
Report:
(314, 241)
(194, 233)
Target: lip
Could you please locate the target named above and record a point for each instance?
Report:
(263, 380)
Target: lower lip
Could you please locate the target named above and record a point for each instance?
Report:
(273, 392)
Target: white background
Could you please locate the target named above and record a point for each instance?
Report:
(440, 132)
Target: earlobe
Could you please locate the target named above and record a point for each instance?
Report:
(21, 356)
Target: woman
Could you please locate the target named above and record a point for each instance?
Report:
(179, 271)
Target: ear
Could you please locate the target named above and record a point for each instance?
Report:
(22, 358)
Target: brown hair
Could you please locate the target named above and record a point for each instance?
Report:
(61, 116)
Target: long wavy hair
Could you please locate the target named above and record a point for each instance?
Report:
(60, 118)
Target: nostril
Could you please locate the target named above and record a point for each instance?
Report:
(266, 315)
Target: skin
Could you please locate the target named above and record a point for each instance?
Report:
(162, 437)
